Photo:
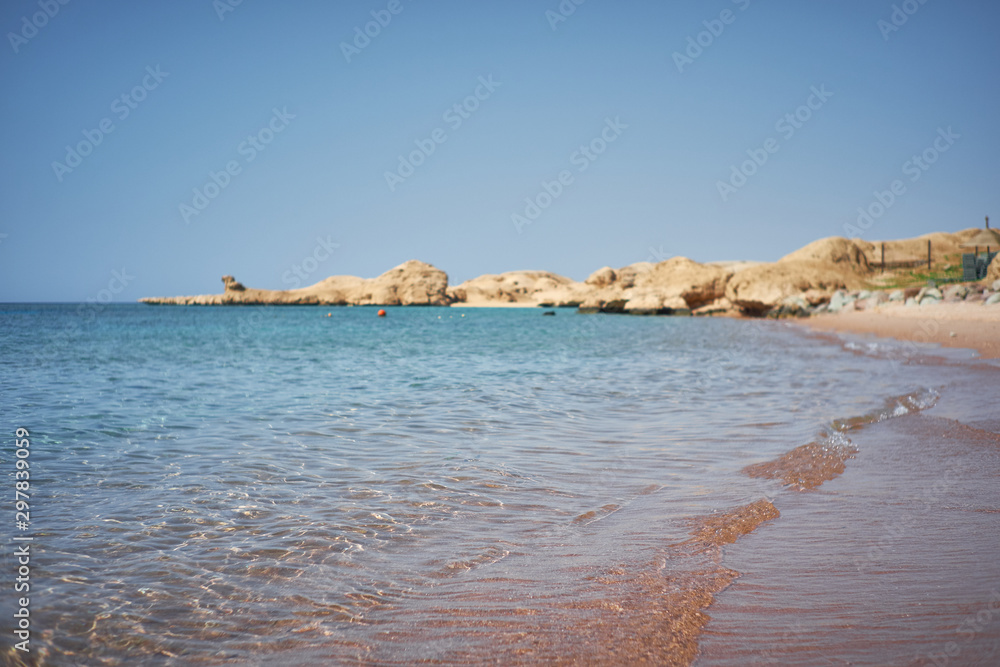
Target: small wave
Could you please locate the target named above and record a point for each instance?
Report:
(896, 406)
(720, 529)
(596, 515)
(808, 466)
(486, 556)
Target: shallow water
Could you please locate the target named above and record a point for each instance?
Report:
(893, 563)
(248, 485)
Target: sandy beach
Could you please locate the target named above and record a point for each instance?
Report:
(959, 325)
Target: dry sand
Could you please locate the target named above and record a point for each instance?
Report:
(964, 325)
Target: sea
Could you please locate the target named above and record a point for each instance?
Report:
(308, 486)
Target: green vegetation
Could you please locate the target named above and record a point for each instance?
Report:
(917, 277)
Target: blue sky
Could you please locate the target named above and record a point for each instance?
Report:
(205, 89)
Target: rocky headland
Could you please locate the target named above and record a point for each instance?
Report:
(828, 275)
(412, 283)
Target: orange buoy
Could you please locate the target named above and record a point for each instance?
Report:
(381, 313)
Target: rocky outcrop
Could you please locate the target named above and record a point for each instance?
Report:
(814, 272)
(526, 288)
(412, 283)
(761, 288)
(818, 276)
(945, 247)
(679, 277)
(675, 286)
(604, 277)
(231, 285)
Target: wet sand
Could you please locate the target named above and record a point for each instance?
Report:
(962, 325)
(894, 561)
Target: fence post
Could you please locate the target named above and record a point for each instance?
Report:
(928, 255)
(883, 258)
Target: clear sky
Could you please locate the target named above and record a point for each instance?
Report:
(116, 114)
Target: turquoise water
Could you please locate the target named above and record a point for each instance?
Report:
(254, 484)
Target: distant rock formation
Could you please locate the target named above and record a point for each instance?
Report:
(797, 283)
(412, 283)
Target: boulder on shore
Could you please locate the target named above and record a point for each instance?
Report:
(993, 271)
(818, 270)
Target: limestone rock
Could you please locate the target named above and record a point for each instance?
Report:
(412, 283)
(231, 285)
(815, 297)
(832, 250)
(603, 277)
(653, 304)
(758, 289)
(721, 306)
(791, 306)
(627, 275)
(645, 304)
(679, 277)
(929, 295)
(956, 293)
(993, 273)
(528, 288)
(839, 300)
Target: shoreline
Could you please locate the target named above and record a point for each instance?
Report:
(954, 325)
(916, 493)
